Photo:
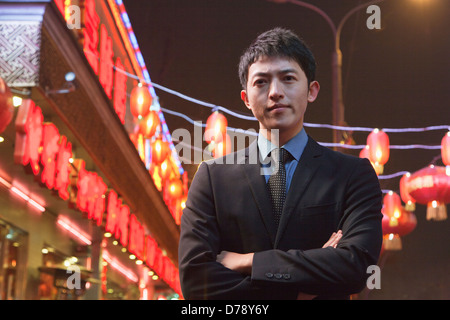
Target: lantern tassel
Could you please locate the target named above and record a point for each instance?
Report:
(392, 242)
(410, 206)
(436, 211)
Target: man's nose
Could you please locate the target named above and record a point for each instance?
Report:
(276, 90)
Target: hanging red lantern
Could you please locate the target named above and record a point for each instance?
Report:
(165, 169)
(410, 202)
(216, 127)
(431, 186)
(140, 101)
(364, 153)
(148, 124)
(222, 148)
(378, 142)
(395, 228)
(392, 204)
(6, 105)
(176, 188)
(445, 149)
(160, 150)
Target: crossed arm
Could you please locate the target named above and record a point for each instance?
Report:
(242, 263)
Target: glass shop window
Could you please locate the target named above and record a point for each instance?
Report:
(13, 256)
(57, 276)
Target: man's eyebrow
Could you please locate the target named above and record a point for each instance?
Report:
(283, 71)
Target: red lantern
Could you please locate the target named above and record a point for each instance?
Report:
(394, 228)
(431, 186)
(216, 127)
(410, 202)
(140, 101)
(160, 150)
(148, 124)
(392, 205)
(165, 169)
(222, 148)
(6, 105)
(445, 149)
(378, 142)
(176, 188)
(364, 153)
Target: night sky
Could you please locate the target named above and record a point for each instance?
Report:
(395, 77)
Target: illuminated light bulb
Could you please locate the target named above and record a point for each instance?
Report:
(17, 101)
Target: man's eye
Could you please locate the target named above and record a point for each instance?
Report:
(259, 82)
(289, 78)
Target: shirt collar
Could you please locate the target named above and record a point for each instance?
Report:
(295, 146)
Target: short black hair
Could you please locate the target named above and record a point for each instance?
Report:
(278, 42)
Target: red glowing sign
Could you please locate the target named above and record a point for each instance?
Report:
(28, 135)
(117, 218)
(150, 253)
(120, 91)
(91, 22)
(63, 168)
(50, 148)
(106, 61)
(137, 237)
(37, 142)
(99, 52)
(91, 194)
(60, 5)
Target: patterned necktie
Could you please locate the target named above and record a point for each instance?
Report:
(277, 183)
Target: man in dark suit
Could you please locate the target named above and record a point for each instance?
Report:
(300, 221)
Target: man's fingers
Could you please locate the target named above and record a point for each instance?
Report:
(334, 240)
(329, 240)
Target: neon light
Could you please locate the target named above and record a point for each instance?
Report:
(25, 197)
(67, 225)
(36, 205)
(5, 183)
(119, 267)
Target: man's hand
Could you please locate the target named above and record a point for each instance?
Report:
(334, 239)
(332, 242)
(236, 261)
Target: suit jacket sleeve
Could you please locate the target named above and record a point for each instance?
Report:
(333, 271)
(201, 277)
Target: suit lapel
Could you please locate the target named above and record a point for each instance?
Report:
(307, 166)
(252, 170)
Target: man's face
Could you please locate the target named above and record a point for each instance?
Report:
(278, 94)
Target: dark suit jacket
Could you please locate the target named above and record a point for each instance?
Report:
(228, 208)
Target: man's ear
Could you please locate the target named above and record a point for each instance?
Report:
(314, 88)
(244, 98)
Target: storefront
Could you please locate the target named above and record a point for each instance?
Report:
(86, 211)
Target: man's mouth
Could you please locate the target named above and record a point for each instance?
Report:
(277, 106)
